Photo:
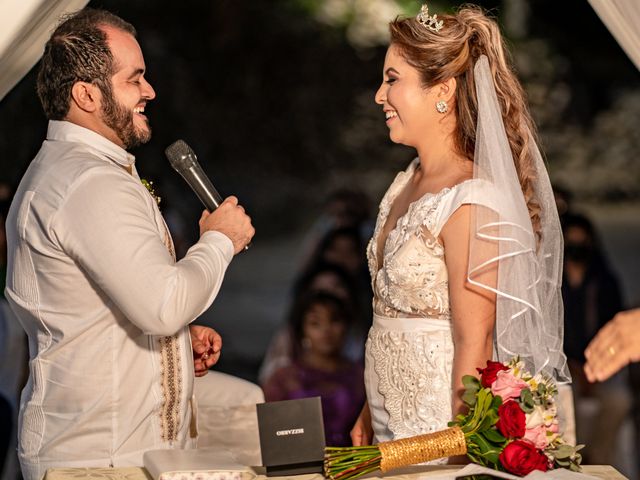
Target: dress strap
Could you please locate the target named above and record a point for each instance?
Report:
(474, 191)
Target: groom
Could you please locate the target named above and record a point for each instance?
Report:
(92, 274)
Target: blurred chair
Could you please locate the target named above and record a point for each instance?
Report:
(227, 415)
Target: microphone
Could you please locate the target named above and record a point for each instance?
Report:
(185, 162)
(183, 159)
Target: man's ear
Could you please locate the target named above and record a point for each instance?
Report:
(86, 96)
(447, 89)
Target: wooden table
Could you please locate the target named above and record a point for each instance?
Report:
(413, 473)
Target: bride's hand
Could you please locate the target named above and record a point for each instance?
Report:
(362, 433)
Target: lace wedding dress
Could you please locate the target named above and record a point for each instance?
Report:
(409, 351)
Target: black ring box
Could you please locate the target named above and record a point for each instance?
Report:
(291, 436)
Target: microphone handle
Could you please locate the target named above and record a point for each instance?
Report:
(203, 188)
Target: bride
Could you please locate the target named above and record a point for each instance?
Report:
(466, 254)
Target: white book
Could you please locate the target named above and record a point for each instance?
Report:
(199, 464)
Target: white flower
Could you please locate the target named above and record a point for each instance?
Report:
(535, 418)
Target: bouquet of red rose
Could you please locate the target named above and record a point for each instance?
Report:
(511, 425)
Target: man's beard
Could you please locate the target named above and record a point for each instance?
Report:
(120, 120)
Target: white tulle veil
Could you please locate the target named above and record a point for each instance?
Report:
(529, 311)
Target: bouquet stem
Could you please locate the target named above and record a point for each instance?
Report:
(422, 448)
(352, 462)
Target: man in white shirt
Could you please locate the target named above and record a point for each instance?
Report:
(92, 275)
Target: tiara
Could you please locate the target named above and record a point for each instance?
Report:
(429, 21)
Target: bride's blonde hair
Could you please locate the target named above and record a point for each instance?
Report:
(452, 53)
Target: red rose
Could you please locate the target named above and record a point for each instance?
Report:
(522, 458)
(511, 420)
(488, 375)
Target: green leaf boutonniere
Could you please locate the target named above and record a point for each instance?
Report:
(152, 191)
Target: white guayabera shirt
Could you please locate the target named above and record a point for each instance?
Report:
(93, 280)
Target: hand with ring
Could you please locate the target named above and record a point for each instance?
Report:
(616, 345)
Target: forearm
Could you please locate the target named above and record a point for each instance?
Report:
(471, 352)
(184, 290)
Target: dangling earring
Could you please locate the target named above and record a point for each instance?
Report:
(442, 106)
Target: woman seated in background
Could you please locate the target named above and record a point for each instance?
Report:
(319, 323)
(320, 277)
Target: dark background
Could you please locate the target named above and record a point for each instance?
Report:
(278, 104)
(277, 101)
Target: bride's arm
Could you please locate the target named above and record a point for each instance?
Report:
(473, 309)
(362, 431)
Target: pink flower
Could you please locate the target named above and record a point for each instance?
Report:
(507, 385)
(537, 436)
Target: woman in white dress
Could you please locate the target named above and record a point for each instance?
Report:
(466, 254)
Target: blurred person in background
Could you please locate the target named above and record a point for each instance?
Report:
(591, 295)
(319, 323)
(6, 429)
(563, 198)
(344, 247)
(321, 277)
(14, 357)
(616, 345)
(344, 207)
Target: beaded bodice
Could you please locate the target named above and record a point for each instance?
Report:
(412, 279)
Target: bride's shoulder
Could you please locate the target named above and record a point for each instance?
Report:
(478, 191)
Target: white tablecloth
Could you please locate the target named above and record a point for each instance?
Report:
(413, 473)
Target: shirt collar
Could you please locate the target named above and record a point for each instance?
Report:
(64, 131)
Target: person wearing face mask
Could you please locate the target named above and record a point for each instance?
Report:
(92, 274)
(591, 296)
(466, 254)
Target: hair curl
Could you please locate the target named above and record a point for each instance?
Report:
(452, 53)
(77, 52)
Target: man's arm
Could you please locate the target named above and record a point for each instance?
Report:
(107, 225)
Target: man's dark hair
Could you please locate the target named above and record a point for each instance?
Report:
(77, 52)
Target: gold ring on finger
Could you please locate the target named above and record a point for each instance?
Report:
(612, 351)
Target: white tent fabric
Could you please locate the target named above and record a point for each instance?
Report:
(622, 18)
(25, 26)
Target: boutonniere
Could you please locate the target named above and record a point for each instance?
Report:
(151, 190)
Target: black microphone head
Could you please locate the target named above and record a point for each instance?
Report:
(181, 156)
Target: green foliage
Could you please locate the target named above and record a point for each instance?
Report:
(526, 400)
(567, 456)
(484, 441)
(471, 386)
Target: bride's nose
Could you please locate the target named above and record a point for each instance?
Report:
(381, 94)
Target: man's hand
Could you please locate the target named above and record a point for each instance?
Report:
(206, 344)
(229, 218)
(616, 345)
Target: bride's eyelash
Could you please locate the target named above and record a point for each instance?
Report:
(390, 80)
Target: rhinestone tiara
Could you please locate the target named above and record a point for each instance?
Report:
(429, 21)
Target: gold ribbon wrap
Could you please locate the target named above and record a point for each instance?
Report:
(413, 450)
